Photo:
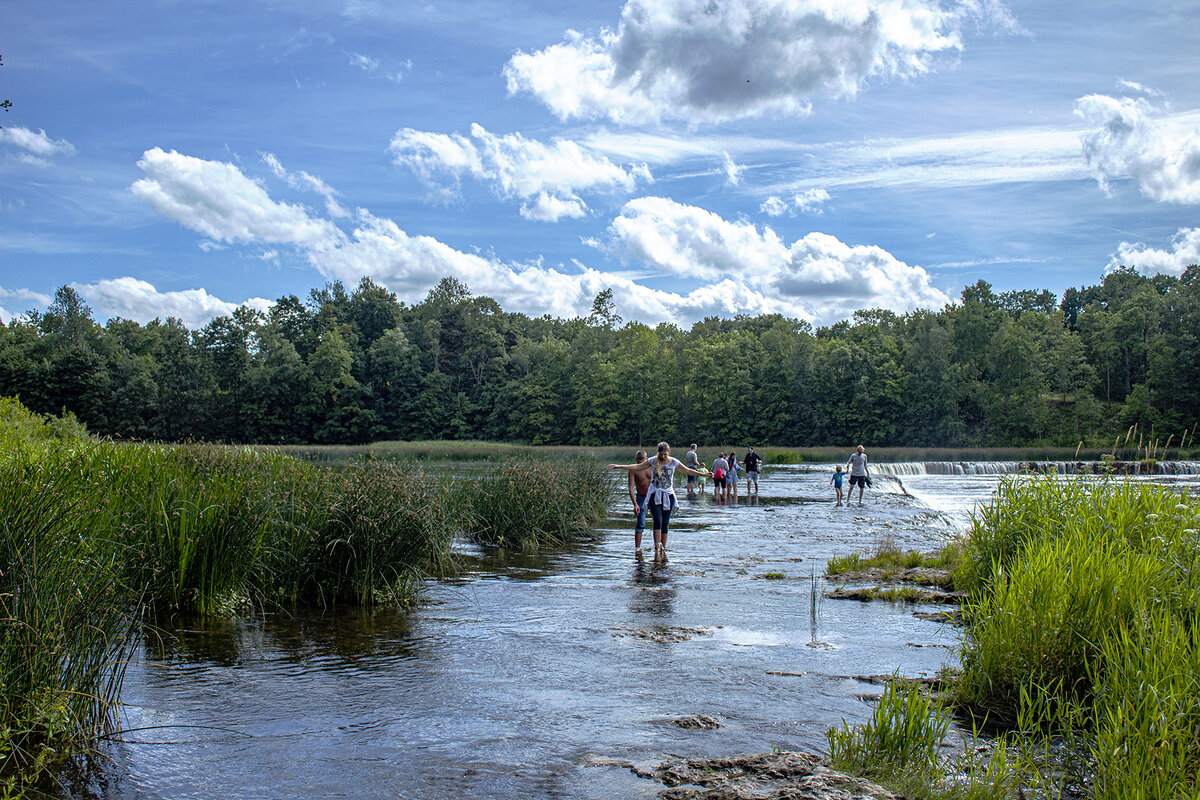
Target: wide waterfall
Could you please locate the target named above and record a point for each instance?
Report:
(1147, 467)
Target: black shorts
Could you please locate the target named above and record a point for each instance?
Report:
(861, 480)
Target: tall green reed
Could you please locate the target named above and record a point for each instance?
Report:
(1084, 605)
(904, 733)
(530, 503)
(383, 528)
(68, 617)
(1146, 712)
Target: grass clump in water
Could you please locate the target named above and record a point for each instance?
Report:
(904, 748)
(531, 503)
(891, 560)
(903, 735)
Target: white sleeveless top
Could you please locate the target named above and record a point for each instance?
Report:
(662, 483)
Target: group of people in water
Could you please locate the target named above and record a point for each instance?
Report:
(652, 485)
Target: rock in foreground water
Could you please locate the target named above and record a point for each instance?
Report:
(766, 776)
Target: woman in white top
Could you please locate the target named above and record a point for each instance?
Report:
(661, 497)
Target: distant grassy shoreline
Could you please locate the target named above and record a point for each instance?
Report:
(479, 451)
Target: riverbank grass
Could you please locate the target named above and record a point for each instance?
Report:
(1083, 635)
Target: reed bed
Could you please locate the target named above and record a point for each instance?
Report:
(97, 538)
(69, 621)
(530, 503)
(202, 528)
(441, 452)
(1082, 635)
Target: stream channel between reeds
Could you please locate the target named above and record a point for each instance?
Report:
(536, 675)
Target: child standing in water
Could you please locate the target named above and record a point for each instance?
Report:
(837, 483)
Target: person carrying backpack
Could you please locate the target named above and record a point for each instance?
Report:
(720, 470)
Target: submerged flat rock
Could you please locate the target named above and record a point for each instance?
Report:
(765, 776)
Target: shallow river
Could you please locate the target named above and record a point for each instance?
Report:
(525, 675)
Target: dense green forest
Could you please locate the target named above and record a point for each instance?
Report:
(1017, 368)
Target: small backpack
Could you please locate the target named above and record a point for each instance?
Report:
(718, 473)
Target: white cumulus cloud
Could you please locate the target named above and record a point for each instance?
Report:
(1135, 138)
(217, 200)
(130, 298)
(721, 267)
(818, 277)
(1183, 253)
(546, 176)
(704, 61)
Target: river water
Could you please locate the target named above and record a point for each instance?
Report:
(530, 675)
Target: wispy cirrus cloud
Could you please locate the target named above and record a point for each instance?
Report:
(306, 182)
(36, 147)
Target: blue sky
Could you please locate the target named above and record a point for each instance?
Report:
(696, 157)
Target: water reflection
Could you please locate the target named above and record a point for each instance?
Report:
(332, 638)
(653, 593)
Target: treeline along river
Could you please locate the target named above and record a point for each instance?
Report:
(1018, 368)
(537, 675)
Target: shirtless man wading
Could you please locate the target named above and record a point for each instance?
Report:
(639, 485)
